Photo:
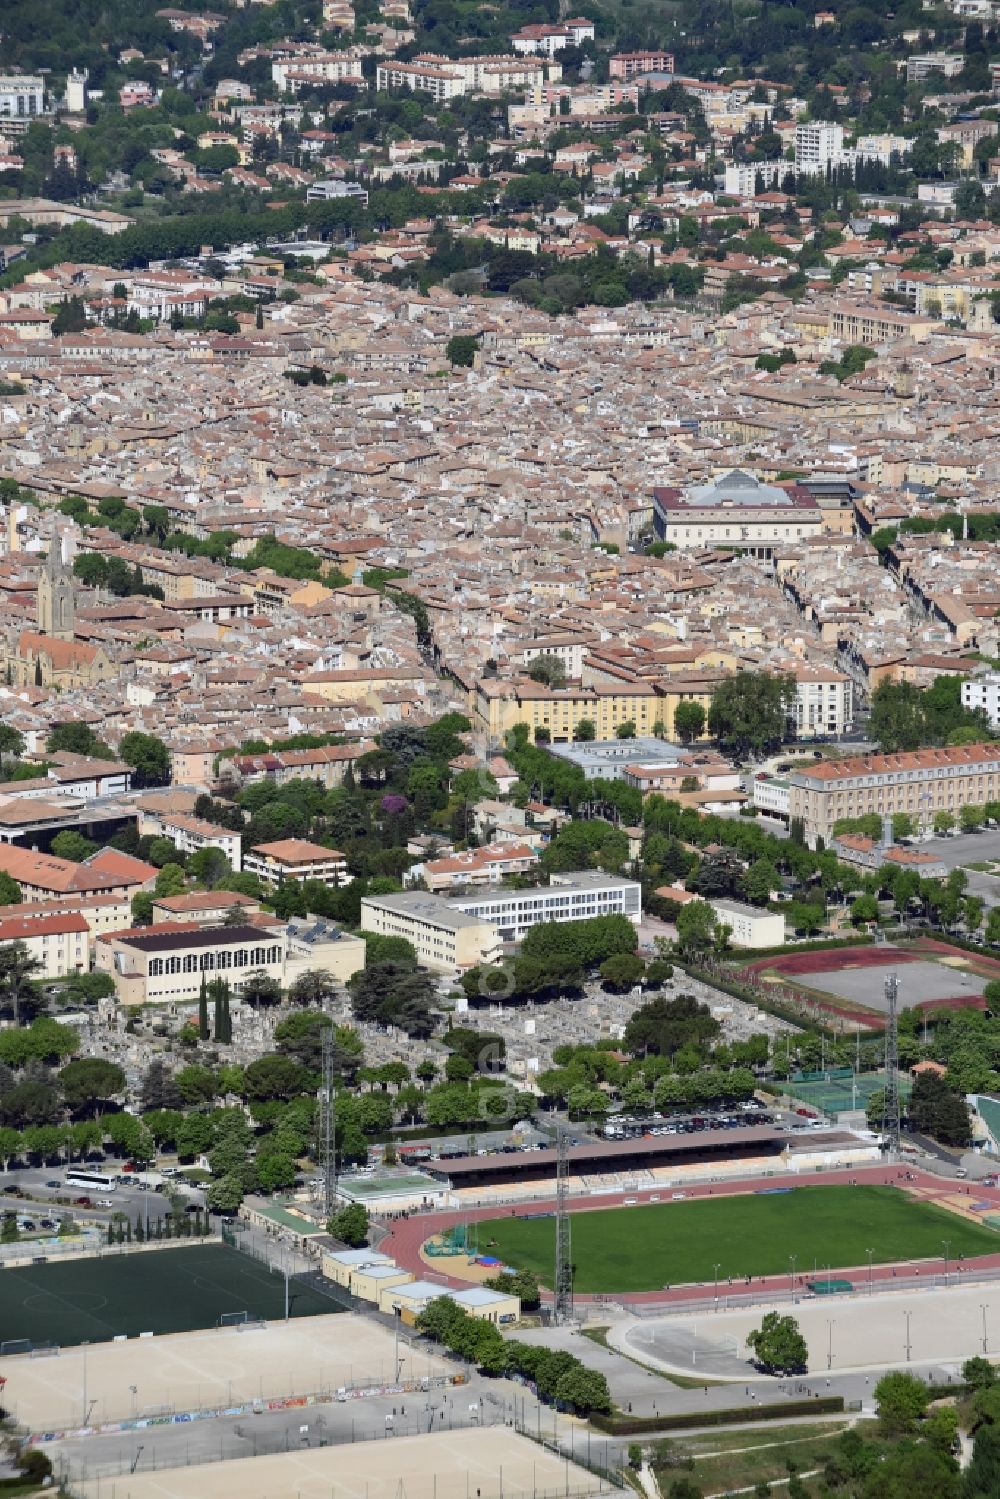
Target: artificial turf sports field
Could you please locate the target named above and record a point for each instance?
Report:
(680, 1243)
(166, 1290)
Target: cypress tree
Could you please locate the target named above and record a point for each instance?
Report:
(203, 1011)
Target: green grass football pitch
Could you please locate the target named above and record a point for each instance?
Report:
(680, 1243)
(160, 1291)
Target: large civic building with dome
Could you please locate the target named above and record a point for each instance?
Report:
(737, 511)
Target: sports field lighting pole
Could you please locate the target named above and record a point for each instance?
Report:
(907, 1315)
(869, 1253)
(793, 1260)
(947, 1248)
(717, 1285)
(982, 1308)
(829, 1346)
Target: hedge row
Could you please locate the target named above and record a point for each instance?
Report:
(761, 1001)
(822, 944)
(627, 1426)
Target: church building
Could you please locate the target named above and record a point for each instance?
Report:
(50, 656)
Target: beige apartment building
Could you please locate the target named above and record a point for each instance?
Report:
(205, 907)
(824, 701)
(192, 833)
(102, 913)
(477, 866)
(921, 783)
(500, 705)
(43, 877)
(328, 764)
(60, 944)
(444, 938)
(874, 323)
(296, 859)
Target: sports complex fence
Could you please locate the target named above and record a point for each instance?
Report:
(839, 1090)
(740, 1298)
(309, 1429)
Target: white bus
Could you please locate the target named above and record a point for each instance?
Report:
(97, 1181)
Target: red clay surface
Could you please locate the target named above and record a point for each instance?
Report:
(833, 960)
(406, 1235)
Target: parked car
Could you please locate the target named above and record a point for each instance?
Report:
(55, 1185)
(82, 1202)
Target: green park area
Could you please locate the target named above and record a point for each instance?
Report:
(158, 1291)
(619, 1250)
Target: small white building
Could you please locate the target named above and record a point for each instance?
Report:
(742, 179)
(770, 795)
(749, 926)
(408, 1301)
(984, 692)
(21, 97)
(331, 188)
(818, 144)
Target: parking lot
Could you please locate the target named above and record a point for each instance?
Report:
(965, 848)
(733, 1116)
(42, 1195)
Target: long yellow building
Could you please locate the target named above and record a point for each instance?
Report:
(501, 705)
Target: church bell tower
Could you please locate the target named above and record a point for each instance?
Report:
(56, 595)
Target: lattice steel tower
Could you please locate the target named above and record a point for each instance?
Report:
(890, 1095)
(327, 1126)
(563, 1309)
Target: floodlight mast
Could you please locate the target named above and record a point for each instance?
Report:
(890, 1093)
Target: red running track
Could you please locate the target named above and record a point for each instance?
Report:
(406, 1235)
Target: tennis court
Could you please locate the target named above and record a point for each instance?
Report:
(840, 1092)
(365, 1189)
(159, 1291)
